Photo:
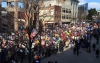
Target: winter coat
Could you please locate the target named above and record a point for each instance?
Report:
(97, 51)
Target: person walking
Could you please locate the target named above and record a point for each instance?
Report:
(97, 53)
(74, 50)
(55, 61)
(71, 43)
(77, 49)
(97, 39)
(94, 46)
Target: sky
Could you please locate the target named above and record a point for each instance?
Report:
(91, 3)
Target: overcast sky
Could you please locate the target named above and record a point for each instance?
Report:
(91, 3)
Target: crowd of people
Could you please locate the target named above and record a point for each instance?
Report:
(52, 40)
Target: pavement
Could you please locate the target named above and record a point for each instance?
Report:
(68, 57)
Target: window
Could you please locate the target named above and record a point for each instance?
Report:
(52, 12)
(4, 4)
(20, 5)
(63, 16)
(66, 10)
(69, 10)
(66, 16)
(4, 13)
(69, 16)
(63, 10)
(12, 4)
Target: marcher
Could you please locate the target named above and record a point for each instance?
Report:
(74, 50)
(77, 49)
(97, 39)
(49, 61)
(94, 46)
(71, 43)
(37, 58)
(97, 53)
(55, 61)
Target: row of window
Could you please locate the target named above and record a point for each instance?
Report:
(66, 16)
(64, 10)
(5, 4)
(50, 12)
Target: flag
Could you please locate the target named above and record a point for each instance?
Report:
(33, 33)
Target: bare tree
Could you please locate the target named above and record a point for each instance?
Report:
(31, 13)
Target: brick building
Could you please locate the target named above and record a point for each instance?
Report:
(51, 14)
(69, 9)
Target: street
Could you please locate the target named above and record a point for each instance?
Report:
(68, 57)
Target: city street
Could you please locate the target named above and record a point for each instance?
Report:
(68, 57)
(49, 31)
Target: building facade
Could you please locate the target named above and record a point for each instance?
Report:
(69, 9)
(16, 12)
(50, 14)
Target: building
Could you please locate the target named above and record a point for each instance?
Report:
(50, 14)
(16, 13)
(82, 12)
(69, 9)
